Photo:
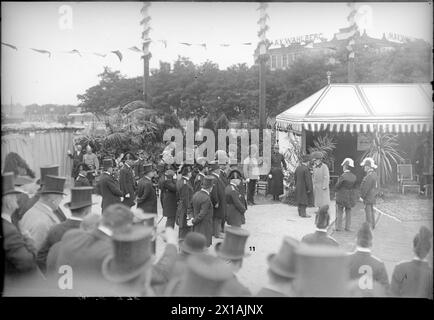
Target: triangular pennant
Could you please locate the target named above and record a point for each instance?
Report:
(75, 51)
(185, 43)
(147, 40)
(118, 54)
(42, 51)
(100, 54)
(9, 45)
(135, 49)
(247, 43)
(225, 45)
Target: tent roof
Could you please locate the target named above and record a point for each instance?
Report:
(362, 107)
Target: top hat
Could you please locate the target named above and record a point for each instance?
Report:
(317, 155)
(283, 263)
(369, 162)
(53, 184)
(131, 256)
(80, 197)
(364, 236)
(348, 162)
(322, 217)
(148, 167)
(233, 245)
(48, 170)
(205, 276)
(207, 182)
(107, 163)
(8, 184)
(322, 271)
(117, 216)
(305, 158)
(235, 174)
(194, 242)
(213, 165)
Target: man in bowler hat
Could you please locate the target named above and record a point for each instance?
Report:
(320, 236)
(303, 186)
(107, 186)
(146, 193)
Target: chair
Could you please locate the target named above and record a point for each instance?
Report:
(405, 178)
(261, 185)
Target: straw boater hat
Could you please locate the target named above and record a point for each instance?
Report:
(169, 173)
(53, 184)
(48, 170)
(284, 262)
(233, 245)
(348, 162)
(322, 271)
(205, 276)
(193, 242)
(81, 197)
(131, 256)
(369, 162)
(8, 184)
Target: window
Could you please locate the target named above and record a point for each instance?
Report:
(273, 62)
(284, 61)
(279, 62)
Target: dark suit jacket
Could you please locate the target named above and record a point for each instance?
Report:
(168, 197)
(319, 238)
(368, 188)
(146, 196)
(235, 206)
(412, 279)
(55, 234)
(202, 215)
(345, 190)
(379, 273)
(81, 182)
(109, 189)
(184, 192)
(224, 177)
(127, 184)
(198, 182)
(303, 185)
(218, 198)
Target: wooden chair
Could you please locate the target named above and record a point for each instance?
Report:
(406, 178)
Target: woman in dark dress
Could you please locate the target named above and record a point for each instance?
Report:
(275, 182)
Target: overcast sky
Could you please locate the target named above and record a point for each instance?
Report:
(30, 77)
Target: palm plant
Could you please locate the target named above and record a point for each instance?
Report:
(383, 150)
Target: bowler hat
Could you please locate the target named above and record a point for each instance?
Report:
(364, 236)
(235, 174)
(107, 163)
(148, 167)
(323, 217)
(8, 184)
(283, 263)
(80, 197)
(194, 242)
(317, 155)
(205, 276)
(53, 184)
(213, 165)
(208, 182)
(322, 271)
(48, 170)
(131, 256)
(117, 216)
(233, 245)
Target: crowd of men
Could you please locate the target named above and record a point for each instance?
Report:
(114, 254)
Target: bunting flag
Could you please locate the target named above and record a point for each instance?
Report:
(263, 28)
(10, 46)
(185, 43)
(351, 30)
(42, 51)
(145, 22)
(100, 54)
(118, 54)
(224, 45)
(135, 49)
(145, 7)
(74, 51)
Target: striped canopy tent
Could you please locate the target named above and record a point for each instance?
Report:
(362, 108)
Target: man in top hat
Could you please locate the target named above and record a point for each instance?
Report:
(322, 271)
(218, 198)
(41, 217)
(232, 250)
(77, 158)
(368, 189)
(127, 183)
(19, 249)
(303, 186)
(321, 180)
(363, 263)
(146, 194)
(281, 270)
(202, 221)
(345, 194)
(80, 206)
(168, 197)
(81, 179)
(276, 172)
(107, 186)
(236, 207)
(320, 236)
(202, 172)
(184, 191)
(414, 278)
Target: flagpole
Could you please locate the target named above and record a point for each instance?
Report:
(262, 57)
(146, 53)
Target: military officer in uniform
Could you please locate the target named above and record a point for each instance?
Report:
(146, 193)
(368, 189)
(184, 191)
(107, 186)
(236, 207)
(345, 195)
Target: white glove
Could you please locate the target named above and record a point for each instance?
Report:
(360, 199)
(69, 151)
(127, 195)
(189, 223)
(122, 198)
(270, 176)
(247, 180)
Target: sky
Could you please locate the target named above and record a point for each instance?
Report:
(30, 77)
